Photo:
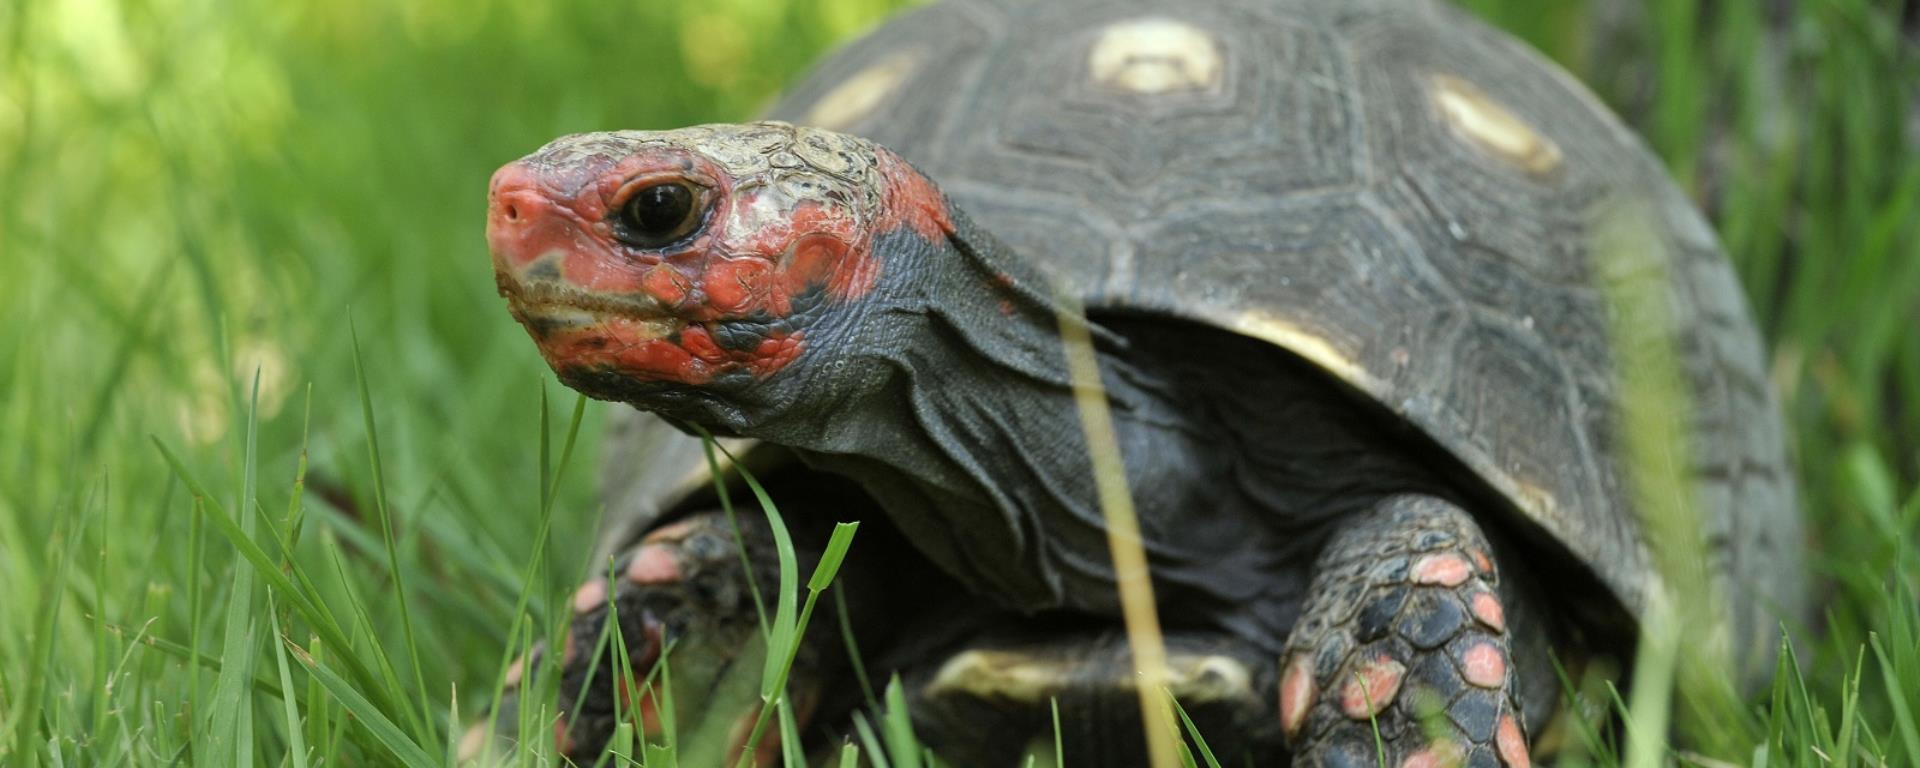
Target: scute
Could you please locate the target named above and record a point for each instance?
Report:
(1487, 123)
(1153, 55)
(858, 95)
(1435, 249)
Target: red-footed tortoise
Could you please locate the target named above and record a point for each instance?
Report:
(1368, 282)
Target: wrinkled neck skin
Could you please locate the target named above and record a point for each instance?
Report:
(950, 402)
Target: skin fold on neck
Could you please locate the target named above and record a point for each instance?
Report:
(971, 440)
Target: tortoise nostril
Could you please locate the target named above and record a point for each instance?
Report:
(512, 213)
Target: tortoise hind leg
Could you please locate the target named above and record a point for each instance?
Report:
(683, 584)
(989, 701)
(1403, 655)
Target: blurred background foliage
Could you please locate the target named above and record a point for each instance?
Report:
(196, 192)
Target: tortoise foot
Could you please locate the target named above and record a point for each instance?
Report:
(681, 595)
(1403, 656)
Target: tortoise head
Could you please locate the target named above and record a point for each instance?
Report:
(702, 272)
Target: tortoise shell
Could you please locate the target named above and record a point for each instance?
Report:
(1418, 204)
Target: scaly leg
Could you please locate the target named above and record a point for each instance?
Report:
(1404, 650)
(684, 585)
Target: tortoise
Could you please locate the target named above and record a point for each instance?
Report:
(1369, 285)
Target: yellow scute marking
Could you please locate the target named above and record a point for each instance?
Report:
(1488, 124)
(1305, 343)
(859, 95)
(1154, 55)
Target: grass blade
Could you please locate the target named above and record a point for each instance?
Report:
(268, 570)
(901, 742)
(1059, 737)
(853, 648)
(534, 562)
(830, 560)
(26, 742)
(232, 708)
(1193, 732)
(423, 724)
(1897, 696)
(1125, 545)
(371, 718)
(296, 746)
(872, 742)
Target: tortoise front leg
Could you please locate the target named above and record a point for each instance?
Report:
(681, 596)
(685, 586)
(1403, 655)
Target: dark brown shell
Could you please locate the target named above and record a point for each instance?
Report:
(1424, 207)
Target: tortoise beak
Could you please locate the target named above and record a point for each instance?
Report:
(523, 222)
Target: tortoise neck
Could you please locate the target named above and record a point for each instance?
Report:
(973, 442)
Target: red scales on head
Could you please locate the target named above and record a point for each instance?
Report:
(679, 256)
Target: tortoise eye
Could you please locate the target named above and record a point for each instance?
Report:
(660, 214)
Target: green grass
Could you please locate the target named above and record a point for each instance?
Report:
(231, 534)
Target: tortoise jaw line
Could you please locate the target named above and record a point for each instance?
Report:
(546, 320)
(547, 308)
(542, 294)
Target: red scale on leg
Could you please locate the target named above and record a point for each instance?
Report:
(1511, 743)
(1483, 664)
(1371, 686)
(1446, 569)
(590, 595)
(654, 564)
(1438, 623)
(1296, 694)
(1481, 561)
(1487, 609)
(1442, 754)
